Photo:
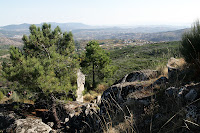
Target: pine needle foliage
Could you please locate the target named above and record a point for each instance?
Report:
(45, 64)
(190, 48)
(96, 63)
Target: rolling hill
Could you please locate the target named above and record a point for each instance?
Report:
(87, 32)
(10, 41)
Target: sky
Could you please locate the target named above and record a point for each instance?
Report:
(100, 12)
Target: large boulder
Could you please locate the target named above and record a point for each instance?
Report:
(122, 95)
(6, 119)
(78, 116)
(120, 91)
(142, 75)
(29, 125)
(191, 95)
(179, 71)
(9, 113)
(187, 93)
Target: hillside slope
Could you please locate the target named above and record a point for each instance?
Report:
(10, 41)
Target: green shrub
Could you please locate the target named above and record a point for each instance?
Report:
(15, 97)
(190, 48)
(1, 95)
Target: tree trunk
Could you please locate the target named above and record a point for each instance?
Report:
(54, 113)
(93, 84)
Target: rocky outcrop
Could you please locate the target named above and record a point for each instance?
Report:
(142, 101)
(9, 113)
(142, 75)
(29, 125)
(179, 71)
(187, 92)
(122, 91)
(153, 101)
(78, 117)
(191, 95)
(120, 99)
(6, 119)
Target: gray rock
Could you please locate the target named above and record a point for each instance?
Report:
(171, 92)
(29, 125)
(172, 73)
(182, 91)
(53, 131)
(145, 102)
(173, 69)
(51, 124)
(157, 116)
(80, 86)
(66, 120)
(99, 99)
(6, 119)
(71, 115)
(191, 95)
(142, 75)
(77, 116)
(160, 81)
(191, 113)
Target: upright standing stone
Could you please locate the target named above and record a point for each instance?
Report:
(80, 85)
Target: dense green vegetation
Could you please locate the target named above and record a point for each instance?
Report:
(46, 65)
(127, 59)
(190, 44)
(1, 95)
(46, 68)
(148, 56)
(4, 49)
(3, 52)
(124, 60)
(96, 63)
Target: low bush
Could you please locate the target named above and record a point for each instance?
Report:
(1, 95)
(190, 47)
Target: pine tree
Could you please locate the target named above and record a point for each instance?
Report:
(97, 62)
(45, 64)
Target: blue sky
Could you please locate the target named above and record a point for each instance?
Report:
(100, 12)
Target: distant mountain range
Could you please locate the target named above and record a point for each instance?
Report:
(63, 26)
(87, 32)
(80, 26)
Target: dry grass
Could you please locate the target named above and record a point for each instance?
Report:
(87, 97)
(28, 101)
(91, 95)
(162, 70)
(111, 130)
(4, 99)
(121, 123)
(176, 63)
(101, 88)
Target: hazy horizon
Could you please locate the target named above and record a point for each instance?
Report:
(101, 13)
(112, 25)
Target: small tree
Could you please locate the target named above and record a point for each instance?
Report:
(96, 61)
(44, 65)
(190, 48)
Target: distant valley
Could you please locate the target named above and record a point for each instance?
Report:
(12, 34)
(102, 34)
